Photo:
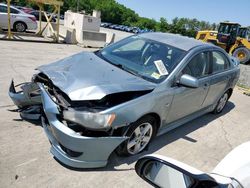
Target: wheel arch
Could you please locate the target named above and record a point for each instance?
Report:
(230, 92)
(156, 117)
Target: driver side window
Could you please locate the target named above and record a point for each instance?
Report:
(198, 67)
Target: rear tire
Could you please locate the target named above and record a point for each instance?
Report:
(140, 135)
(221, 103)
(20, 27)
(242, 54)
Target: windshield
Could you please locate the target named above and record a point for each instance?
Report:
(227, 28)
(148, 59)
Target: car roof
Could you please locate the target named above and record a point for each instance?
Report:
(230, 23)
(175, 40)
(11, 6)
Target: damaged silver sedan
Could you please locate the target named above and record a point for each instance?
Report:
(120, 97)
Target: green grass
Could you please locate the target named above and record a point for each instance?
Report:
(243, 86)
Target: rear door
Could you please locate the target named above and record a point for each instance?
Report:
(219, 78)
(189, 100)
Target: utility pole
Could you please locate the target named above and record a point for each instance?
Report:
(8, 11)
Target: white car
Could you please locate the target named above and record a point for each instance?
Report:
(232, 172)
(20, 21)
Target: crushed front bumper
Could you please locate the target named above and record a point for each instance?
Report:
(23, 98)
(69, 147)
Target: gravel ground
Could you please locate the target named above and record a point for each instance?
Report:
(244, 76)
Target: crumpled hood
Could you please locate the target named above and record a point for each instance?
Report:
(85, 76)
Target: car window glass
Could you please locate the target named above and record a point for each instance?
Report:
(14, 11)
(220, 62)
(149, 59)
(198, 67)
(3, 9)
(135, 45)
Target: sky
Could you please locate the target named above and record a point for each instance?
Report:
(213, 11)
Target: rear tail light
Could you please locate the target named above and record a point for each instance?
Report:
(33, 19)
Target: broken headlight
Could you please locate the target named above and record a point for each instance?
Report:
(88, 119)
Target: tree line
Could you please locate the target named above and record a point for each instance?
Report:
(113, 12)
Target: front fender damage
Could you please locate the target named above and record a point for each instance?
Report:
(71, 148)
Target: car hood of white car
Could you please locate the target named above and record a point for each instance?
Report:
(236, 164)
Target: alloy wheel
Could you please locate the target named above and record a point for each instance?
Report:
(20, 27)
(140, 138)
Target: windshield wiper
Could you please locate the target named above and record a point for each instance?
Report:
(135, 73)
(125, 68)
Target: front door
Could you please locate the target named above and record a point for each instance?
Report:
(189, 100)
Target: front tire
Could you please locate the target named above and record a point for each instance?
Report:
(242, 54)
(20, 27)
(221, 103)
(140, 135)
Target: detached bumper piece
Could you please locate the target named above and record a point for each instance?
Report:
(68, 146)
(28, 95)
(28, 100)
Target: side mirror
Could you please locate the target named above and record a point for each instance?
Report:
(188, 81)
(169, 173)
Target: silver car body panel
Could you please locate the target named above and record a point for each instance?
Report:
(173, 103)
(95, 150)
(85, 76)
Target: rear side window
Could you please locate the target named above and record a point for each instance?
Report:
(198, 67)
(3, 9)
(220, 62)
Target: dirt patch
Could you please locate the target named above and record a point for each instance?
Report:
(244, 80)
